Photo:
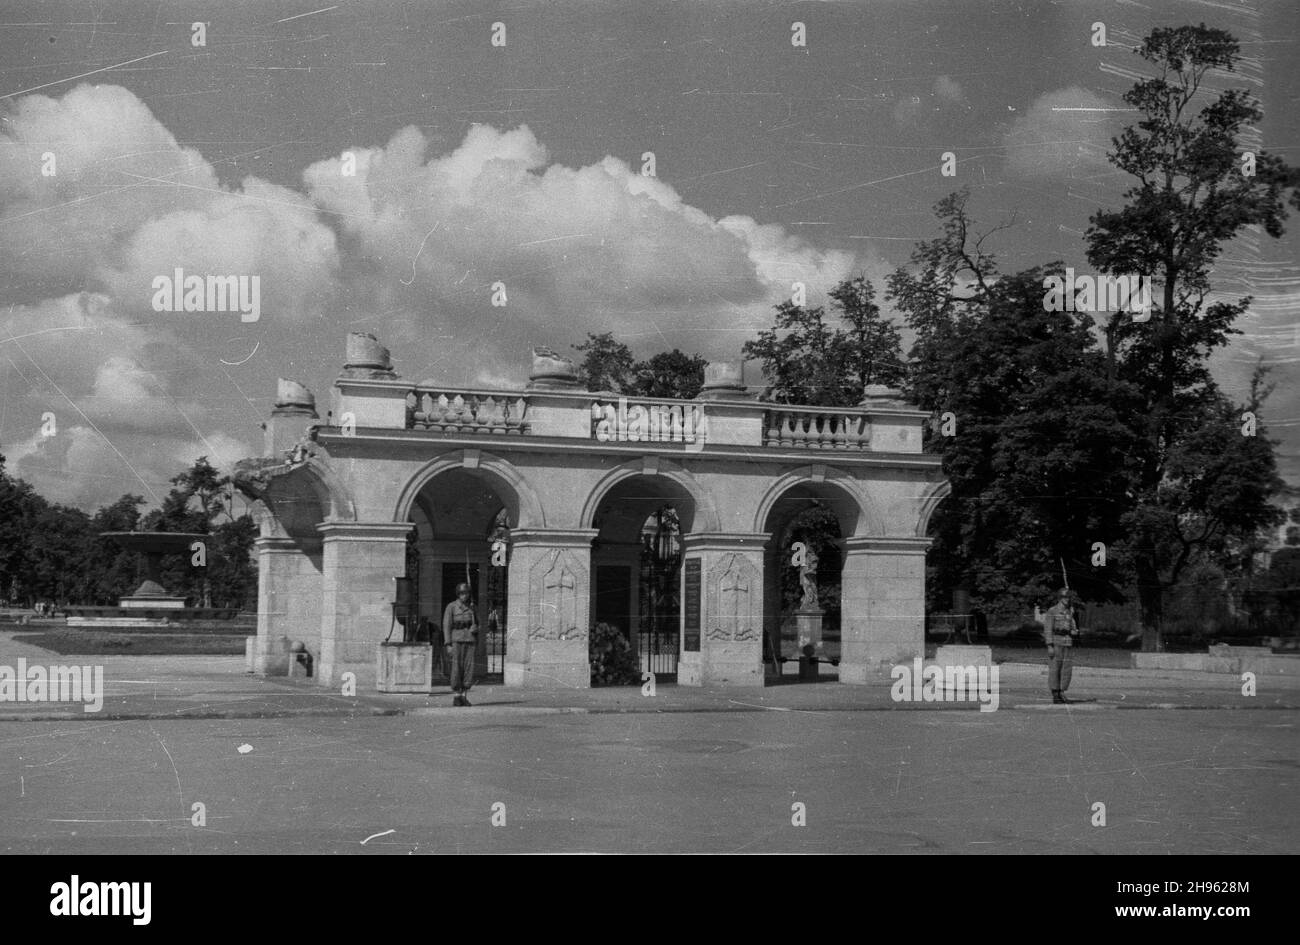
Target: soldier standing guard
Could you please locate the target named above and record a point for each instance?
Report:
(1058, 633)
(460, 634)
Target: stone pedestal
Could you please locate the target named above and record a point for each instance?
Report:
(404, 667)
(731, 611)
(882, 606)
(808, 629)
(549, 603)
(271, 657)
(288, 597)
(360, 561)
(808, 640)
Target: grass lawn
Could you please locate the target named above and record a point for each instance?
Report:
(96, 643)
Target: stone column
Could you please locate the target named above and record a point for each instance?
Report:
(882, 606)
(731, 610)
(772, 603)
(288, 599)
(360, 561)
(549, 619)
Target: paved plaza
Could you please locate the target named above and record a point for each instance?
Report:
(1182, 762)
(1214, 781)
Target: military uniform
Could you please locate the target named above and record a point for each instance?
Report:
(1058, 631)
(460, 632)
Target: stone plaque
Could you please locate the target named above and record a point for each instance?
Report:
(691, 639)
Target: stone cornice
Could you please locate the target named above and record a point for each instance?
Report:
(430, 444)
(724, 541)
(888, 546)
(365, 531)
(553, 537)
(282, 544)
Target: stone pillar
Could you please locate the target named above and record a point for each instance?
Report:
(882, 606)
(288, 600)
(731, 610)
(549, 619)
(360, 561)
(772, 603)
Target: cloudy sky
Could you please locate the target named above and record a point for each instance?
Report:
(379, 165)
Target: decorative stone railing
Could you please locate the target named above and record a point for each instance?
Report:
(821, 429)
(366, 406)
(465, 412)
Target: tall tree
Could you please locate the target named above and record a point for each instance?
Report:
(20, 507)
(195, 501)
(1025, 426)
(115, 570)
(1192, 194)
(670, 374)
(607, 364)
(810, 360)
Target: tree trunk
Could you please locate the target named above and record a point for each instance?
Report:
(1151, 600)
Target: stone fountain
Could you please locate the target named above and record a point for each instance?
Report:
(150, 606)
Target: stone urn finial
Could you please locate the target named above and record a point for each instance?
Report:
(292, 397)
(552, 371)
(881, 395)
(367, 358)
(723, 380)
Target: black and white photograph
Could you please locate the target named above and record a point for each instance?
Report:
(660, 427)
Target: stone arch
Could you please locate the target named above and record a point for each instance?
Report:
(706, 514)
(294, 503)
(503, 476)
(929, 502)
(868, 522)
(335, 495)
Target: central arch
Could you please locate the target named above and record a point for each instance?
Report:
(858, 515)
(520, 499)
(705, 512)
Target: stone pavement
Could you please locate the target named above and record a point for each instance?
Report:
(198, 687)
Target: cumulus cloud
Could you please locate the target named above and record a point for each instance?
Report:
(124, 419)
(1048, 140)
(407, 239)
(95, 193)
(596, 248)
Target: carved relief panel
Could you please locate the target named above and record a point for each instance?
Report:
(735, 600)
(558, 585)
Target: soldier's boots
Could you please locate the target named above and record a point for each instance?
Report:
(1058, 698)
